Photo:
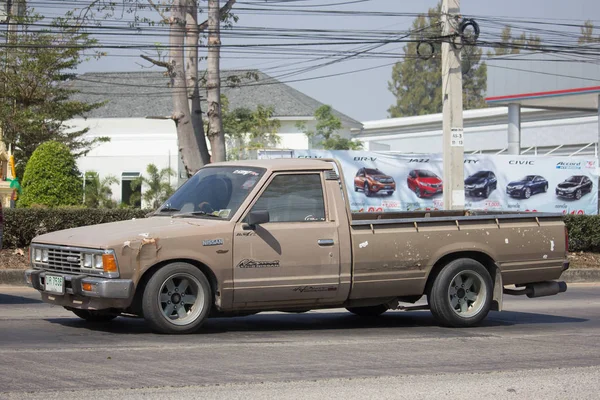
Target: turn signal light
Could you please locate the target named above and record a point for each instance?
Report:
(86, 286)
(109, 263)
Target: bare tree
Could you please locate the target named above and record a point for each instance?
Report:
(213, 84)
(192, 39)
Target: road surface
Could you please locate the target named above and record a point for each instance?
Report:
(539, 348)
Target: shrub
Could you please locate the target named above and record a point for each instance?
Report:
(51, 178)
(21, 225)
(584, 232)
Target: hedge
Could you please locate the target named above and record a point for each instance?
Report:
(23, 224)
(584, 232)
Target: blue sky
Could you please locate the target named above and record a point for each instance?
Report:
(362, 95)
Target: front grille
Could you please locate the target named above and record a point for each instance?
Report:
(64, 260)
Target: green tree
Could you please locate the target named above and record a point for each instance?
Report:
(510, 45)
(51, 178)
(248, 129)
(587, 34)
(98, 193)
(417, 83)
(157, 186)
(327, 125)
(36, 100)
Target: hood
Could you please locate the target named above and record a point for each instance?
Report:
(381, 176)
(474, 180)
(567, 185)
(434, 181)
(107, 235)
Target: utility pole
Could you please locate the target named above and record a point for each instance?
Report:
(453, 136)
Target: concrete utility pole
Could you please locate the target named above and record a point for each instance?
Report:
(453, 142)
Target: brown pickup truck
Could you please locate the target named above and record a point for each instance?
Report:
(244, 237)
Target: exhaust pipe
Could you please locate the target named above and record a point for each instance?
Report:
(539, 289)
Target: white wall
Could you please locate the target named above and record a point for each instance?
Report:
(137, 142)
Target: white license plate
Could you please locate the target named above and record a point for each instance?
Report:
(55, 284)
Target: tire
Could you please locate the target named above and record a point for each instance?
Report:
(527, 193)
(164, 304)
(367, 190)
(390, 193)
(355, 188)
(578, 194)
(545, 188)
(445, 301)
(93, 315)
(418, 192)
(370, 311)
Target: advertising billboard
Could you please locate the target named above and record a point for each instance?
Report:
(384, 181)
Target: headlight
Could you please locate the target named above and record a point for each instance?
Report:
(98, 264)
(518, 187)
(88, 259)
(479, 185)
(45, 255)
(37, 255)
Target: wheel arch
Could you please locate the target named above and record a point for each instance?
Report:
(140, 287)
(478, 255)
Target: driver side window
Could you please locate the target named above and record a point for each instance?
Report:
(293, 198)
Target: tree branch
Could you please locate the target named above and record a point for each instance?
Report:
(157, 9)
(225, 9)
(163, 64)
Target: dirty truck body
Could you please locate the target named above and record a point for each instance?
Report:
(240, 238)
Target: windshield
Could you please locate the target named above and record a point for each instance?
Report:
(574, 179)
(371, 171)
(426, 174)
(213, 191)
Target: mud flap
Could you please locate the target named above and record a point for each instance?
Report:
(498, 289)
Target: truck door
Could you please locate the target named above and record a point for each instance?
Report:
(295, 256)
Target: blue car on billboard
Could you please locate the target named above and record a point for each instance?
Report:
(529, 185)
(481, 184)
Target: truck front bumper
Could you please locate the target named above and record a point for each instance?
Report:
(83, 291)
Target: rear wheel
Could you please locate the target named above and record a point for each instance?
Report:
(461, 294)
(93, 315)
(370, 311)
(177, 299)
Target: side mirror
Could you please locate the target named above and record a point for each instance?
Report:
(256, 218)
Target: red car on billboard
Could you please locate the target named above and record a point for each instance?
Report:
(424, 183)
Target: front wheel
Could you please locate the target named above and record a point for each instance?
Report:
(93, 315)
(527, 193)
(177, 299)
(461, 294)
(486, 193)
(367, 190)
(545, 188)
(578, 194)
(370, 311)
(390, 193)
(418, 192)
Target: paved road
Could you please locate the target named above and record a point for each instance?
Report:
(540, 348)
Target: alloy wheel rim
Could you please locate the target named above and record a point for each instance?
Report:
(181, 299)
(467, 293)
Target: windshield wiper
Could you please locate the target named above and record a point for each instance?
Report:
(195, 214)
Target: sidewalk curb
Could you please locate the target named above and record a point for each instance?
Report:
(16, 276)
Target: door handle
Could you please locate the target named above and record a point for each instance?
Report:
(325, 242)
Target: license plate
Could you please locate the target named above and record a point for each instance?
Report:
(388, 187)
(55, 284)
